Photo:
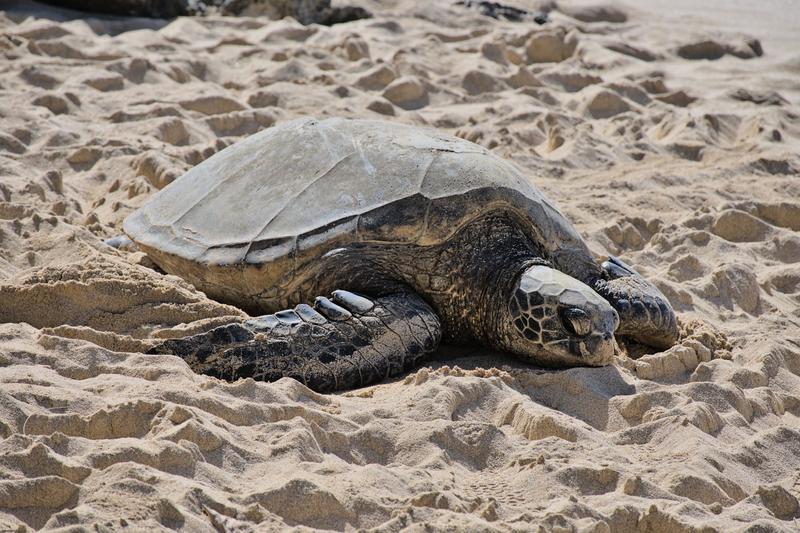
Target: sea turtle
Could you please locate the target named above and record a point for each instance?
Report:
(416, 236)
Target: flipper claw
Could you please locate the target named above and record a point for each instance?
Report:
(616, 268)
(353, 302)
(331, 310)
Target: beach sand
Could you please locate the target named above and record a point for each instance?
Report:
(669, 137)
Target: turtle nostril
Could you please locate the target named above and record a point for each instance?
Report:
(607, 336)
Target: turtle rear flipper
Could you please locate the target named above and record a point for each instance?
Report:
(645, 315)
(342, 342)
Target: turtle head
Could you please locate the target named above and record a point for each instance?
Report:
(555, 320)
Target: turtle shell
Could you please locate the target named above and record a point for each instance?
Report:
(250, 216)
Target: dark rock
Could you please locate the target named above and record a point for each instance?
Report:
(133, 8)
(496, 10)
(304, 11)
(758, 97)
(595, 13)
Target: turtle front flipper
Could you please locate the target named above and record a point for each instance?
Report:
(342, 342)
(645, 314)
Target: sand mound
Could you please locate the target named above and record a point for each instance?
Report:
(668, 138)
(108, 301)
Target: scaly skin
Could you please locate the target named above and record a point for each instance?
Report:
(645, 314)
(328, 347)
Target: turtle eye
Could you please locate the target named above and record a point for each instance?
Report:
(576, 321)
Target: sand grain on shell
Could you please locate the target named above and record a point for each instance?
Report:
(670, 138)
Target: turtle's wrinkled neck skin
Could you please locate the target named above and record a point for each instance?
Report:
(477, 272)
(468, 280)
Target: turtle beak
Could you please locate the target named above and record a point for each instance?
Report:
(597, 349)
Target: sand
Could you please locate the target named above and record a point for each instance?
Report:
(669, 136)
